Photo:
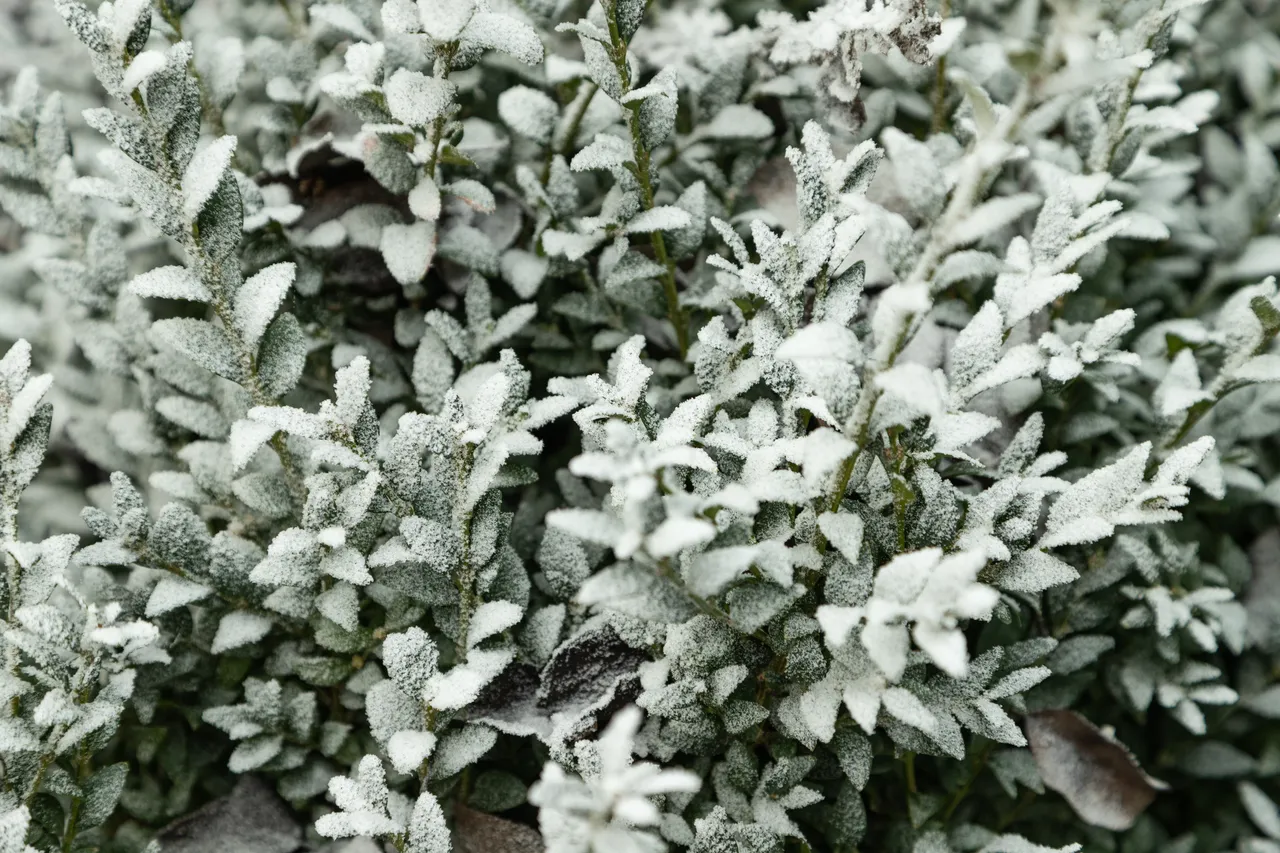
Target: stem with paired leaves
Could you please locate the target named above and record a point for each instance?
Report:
(642, 155)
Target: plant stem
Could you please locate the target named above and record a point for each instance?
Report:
(466, 580)
(443, 65)
(963, 198)
(564, 143)
(642, 157)
(212, 274)
(940, 81)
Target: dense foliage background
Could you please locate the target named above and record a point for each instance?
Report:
(737, 425)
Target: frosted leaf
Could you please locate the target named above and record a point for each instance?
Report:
(424, 199)
(410, 658)
(474, 194)
(143, 66)
(401, 16)
(932, 592)
(977, 347)
(347, 564)
(820, 341)
(737, 121)
(1180, 389)
(1090, 508)
(341, 18)
(460, 749)
(22, 407)
(1035, 571)
(604, 153)
(665, 218)
(197, 416)
(573, 247)
(433, 542)
(351, 391)
(461, 685)
(507, 34)
(490, 618)
(170, 282)
(1018, 844)
(222, 66)
(282, 355)
(1260, 368)
(172, 593)
(407, 750)
(713, 570)
(202, 342)
(611, 806)
(587, 525)
(1021, 294)
(1261, 808)
(658, 105)
(528, 112)
(428, 832)
(896, 311)
(416, 99)
(408, 250)
(341, 605)
(258, 299)
(204, 173)
(524, 271)
(247, 437)
(991, 216)
(676, 534)
(362, 803)
(844, 531)
(239, 628)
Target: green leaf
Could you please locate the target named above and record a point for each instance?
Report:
(282, 356)
(323, 671)
(101, 793)
(1267, 315)
(202, 342)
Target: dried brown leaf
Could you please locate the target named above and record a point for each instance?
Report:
(1094, 773)
(477, 832)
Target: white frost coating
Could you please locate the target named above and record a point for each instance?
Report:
(204, 173)
(416, 99)
(239, 628)
(490, 618)
(408, 250)
(170, 282)
(259, 298)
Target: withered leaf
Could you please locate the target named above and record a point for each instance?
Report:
(252, 819)
(477, 832)
(1094, 773)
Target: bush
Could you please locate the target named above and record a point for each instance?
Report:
(742, 427)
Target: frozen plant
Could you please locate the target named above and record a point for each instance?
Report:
(640, 425)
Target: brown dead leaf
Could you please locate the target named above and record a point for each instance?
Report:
(477, 832)
(1094, 773)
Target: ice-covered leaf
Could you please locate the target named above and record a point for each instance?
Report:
(258, 299)
(239, 628)
(204, 173)
(416, 99)
(170, 283)
(408, 250)
(172, 593)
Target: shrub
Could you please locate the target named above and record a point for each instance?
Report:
(740, 427)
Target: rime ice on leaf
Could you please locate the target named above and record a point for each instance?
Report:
(926, 590)
(579, 814)
(362, 804)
